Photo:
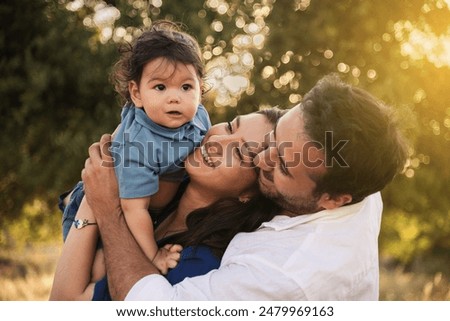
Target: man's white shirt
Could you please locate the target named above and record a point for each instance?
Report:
(328, 255)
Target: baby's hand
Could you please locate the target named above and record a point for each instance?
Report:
(167, 257)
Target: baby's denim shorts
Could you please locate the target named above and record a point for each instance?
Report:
(70, 210)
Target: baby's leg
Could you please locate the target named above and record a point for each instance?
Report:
(66, 199)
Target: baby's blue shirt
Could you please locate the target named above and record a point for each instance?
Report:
(144, 150)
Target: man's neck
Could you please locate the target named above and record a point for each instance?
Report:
(290, 213)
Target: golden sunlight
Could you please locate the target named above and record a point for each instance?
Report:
(419, 41)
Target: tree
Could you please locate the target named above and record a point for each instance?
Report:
(55, 99)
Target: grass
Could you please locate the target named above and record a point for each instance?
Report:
(27, 275)
(397, 285)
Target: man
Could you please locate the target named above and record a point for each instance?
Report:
(327, 160)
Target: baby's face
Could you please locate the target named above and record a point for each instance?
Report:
(169, 92)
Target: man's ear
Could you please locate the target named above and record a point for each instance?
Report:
(327, 202)
(135, 95)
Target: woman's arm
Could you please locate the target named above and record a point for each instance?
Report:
(73, 273)
(126, 263)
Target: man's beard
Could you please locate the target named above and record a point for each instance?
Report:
(296, 205)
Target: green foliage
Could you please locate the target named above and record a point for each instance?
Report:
(56, 98)
(52, 78)
(38, 225)
(415, 223)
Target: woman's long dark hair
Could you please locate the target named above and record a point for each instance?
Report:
(216, 224)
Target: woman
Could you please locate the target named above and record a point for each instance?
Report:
(220, 200)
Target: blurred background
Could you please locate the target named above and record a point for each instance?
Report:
(56, 99)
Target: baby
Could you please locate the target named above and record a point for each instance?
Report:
(160, 75)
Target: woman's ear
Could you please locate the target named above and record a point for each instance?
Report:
(244, 199)
(135, 95)
(327, 202)
(247, 195)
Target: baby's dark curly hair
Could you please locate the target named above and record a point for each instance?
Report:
(164, 39)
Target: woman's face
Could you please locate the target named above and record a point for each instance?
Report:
(223, 165)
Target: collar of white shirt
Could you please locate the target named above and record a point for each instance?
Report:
(284, 222)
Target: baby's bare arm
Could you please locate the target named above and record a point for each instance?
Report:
(140, 224)
(167, 257)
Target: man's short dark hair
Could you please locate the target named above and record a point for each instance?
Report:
(375, 150)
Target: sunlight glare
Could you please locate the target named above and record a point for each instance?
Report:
(418, 41)
(75, 5)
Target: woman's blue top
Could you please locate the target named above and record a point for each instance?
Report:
(194, 261)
